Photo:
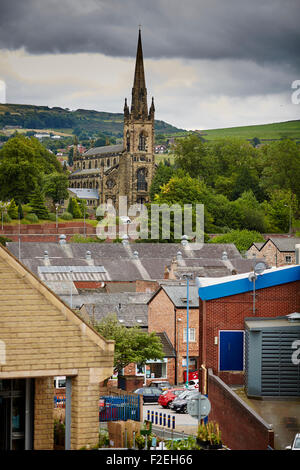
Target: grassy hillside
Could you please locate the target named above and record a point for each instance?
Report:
(277, 130)
(43, 117)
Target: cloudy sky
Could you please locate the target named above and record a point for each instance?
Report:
(208, 63)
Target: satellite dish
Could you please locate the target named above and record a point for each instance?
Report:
(259, 267)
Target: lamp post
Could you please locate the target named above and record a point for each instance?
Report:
(187, 276)
(177, 351)
(56, 209)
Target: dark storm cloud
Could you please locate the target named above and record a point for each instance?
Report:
(259, 30)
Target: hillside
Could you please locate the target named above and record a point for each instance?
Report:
(81, 120)
(264, 132)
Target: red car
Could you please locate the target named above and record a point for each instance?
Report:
(168, 396)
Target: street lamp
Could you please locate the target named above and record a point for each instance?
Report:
(177, 349)
(187, 276)
(56, 209)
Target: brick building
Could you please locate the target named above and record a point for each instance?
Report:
(41, 338)
(167, 313)
(226, 303)
(276, 251)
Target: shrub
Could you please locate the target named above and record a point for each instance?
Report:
(52, 217)
(66, 216)
(4, 240)
(31, 217)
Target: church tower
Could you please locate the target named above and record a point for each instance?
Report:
(137, 162)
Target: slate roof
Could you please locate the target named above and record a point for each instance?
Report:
(84, 193)
(104, 150)
(168, 349)
(178, 295)
(130, 307)
(118, 260)
(285, 244)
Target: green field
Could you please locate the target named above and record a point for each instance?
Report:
(277, 130)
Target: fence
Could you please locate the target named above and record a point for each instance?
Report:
(119, 408)
(59, 401)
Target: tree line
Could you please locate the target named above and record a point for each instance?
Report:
(242, 187)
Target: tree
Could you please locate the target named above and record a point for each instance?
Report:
(12, 210)
(241, 238)
(132, 345)
(281, 167)
(23, 163)
(74, 208)
(55, 186)
(163, 174)
(37, 204)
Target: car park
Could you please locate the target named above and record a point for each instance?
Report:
(168, 396)
(150, 394)
(179, 405)
(296, 443)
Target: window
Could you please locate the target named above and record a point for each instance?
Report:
(288, 259)
(141, 180)
(192, 334)
(142, 142)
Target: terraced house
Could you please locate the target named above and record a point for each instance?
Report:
(125, 169)
(41, 338)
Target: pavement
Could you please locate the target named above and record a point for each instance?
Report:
(184, 423)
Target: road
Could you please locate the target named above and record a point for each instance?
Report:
(183, 421)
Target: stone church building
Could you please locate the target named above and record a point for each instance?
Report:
(126, 169)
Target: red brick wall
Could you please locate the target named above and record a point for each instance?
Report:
(228, 313)
(162, 317)
(45, 232)
(241, 428)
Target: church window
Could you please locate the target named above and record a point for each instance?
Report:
(108, 162)
(90, 165)
(83, 165)
(141, 180)
(142, 141)
(128, 141)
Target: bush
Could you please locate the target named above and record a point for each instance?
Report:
(32, 218)
(4, 240)
(66, 216)
(52, 217)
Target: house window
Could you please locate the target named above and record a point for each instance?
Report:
(192, 334)
(288, 259)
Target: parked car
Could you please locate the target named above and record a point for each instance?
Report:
(296, 443)
(168, 396)
(150, 394)
(179, 404)
(162, 384)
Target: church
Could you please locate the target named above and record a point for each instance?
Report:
(125, 169)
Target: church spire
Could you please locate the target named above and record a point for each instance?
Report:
(139, 107)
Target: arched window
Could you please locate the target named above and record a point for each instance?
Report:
(108, 162)
(115, 161)
(142, 141)
(141, 180)
(127, 141)
(83, 166)
(90, 165)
